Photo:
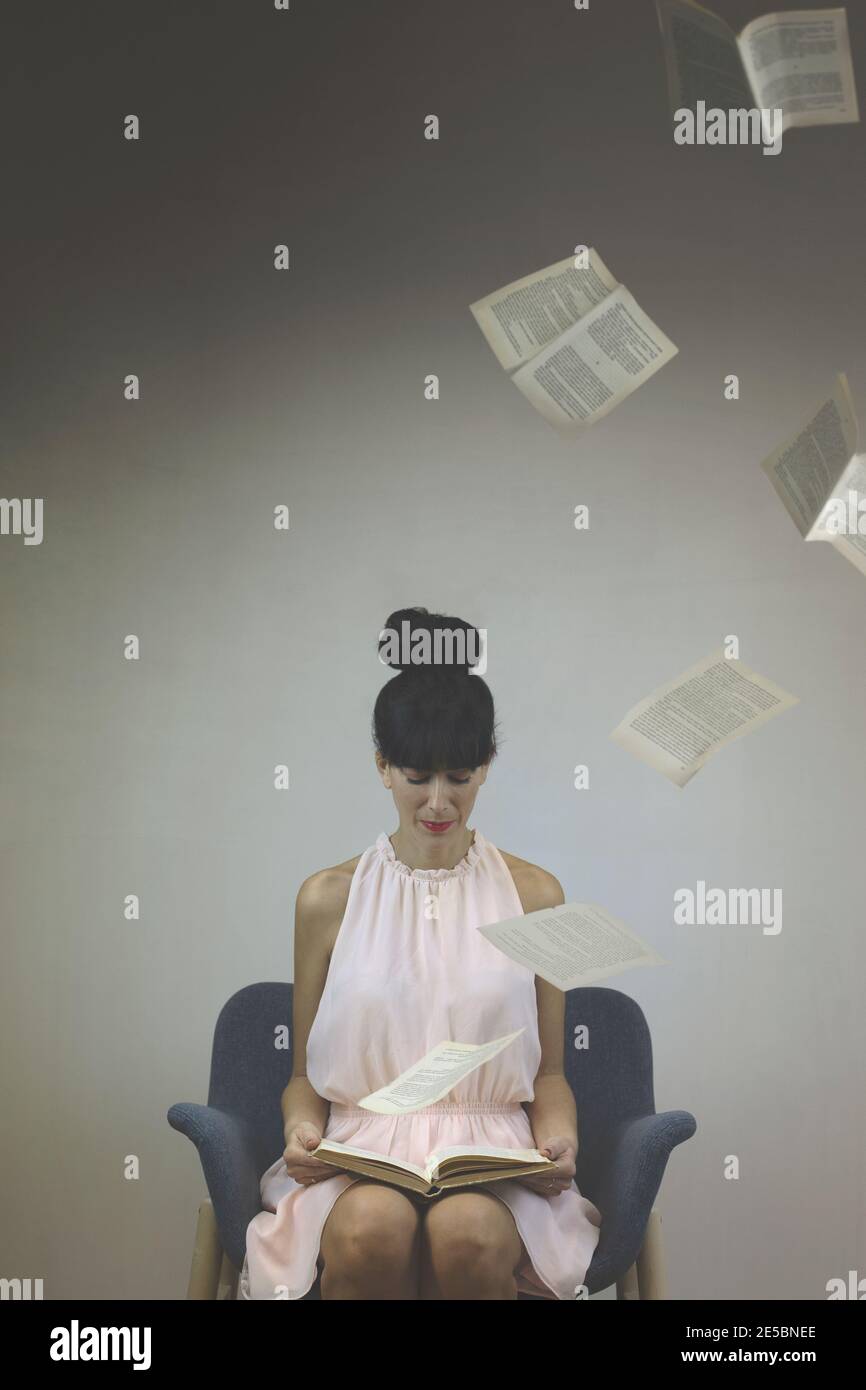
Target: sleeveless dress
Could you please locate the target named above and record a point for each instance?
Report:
(409, 971)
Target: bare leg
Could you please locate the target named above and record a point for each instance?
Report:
(370, 1244)
(470, 1248)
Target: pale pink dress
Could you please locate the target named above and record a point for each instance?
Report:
(401, 980)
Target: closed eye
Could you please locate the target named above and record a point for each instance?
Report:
(419, 781)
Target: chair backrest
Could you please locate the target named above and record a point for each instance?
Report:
(251, 1062)
(608, 1064)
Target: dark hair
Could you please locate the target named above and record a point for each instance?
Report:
(433, 716)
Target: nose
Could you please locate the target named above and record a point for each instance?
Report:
(437, 799)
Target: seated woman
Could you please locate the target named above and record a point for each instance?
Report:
(387, 965)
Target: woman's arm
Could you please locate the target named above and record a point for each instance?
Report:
(318, 899)
(552, 1113)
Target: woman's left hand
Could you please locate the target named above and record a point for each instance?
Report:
(558, 1179)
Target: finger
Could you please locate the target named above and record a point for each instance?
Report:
(313, 1172)
(311, 1179)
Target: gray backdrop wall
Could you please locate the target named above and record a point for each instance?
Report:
(155, 777)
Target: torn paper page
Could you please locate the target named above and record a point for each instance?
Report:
(434, 1075)
(575, 944)
(806, 469)
(677, 728)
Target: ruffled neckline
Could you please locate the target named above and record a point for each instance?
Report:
(466, 865)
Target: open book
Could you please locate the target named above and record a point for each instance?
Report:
(821, 478)
(579, 341)
(464, 1166)
(798, 62)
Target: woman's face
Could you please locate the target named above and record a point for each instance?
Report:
(433, 805)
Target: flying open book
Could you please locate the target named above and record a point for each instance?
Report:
(821, 478)
(798, 62)
(463, 1166)
(578, 340)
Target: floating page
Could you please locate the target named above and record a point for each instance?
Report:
(592, 367)
(806, 470)
(702, 58)
(434, 1075)
(852, 545)
(575, 944)
(801, 63)
(677, 728)
(526, 315)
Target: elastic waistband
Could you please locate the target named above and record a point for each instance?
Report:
(466, 1107)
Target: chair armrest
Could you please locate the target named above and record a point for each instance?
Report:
(231, 1169)
(630, 1164)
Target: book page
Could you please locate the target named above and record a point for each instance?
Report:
(434, 1075)
(575, 944)
(335, 1148)
(449, 1181)
(801, 62)
(450, 1166)
(484, 1151)
(806, 469)
(852, 545)
(527, 314)
(702, 58)
(677, 728)
(591, 368)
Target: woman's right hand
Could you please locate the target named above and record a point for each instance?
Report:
(305, 1169)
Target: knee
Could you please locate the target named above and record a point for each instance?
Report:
(374, 1236)
(471, 1246)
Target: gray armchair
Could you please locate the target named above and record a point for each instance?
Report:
(623, 1144)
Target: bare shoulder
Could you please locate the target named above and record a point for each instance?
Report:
(535, 886)
(322, 899)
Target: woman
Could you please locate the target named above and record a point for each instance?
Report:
(387, 965)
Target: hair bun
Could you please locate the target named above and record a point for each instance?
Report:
(450, 644)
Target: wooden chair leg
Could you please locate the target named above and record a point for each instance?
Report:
(652, 1283)
(204, 1274)
(228, 1280)
(627, 1286)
